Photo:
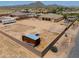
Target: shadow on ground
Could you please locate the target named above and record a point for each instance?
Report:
(74, 53)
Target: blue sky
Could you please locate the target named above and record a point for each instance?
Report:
(65, 3)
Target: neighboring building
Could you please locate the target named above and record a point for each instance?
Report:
(22, 14)
(19, 14)
(38, 10)
(7, 20)
(69, 12)
(51, 17)
(5, 14)
(71, 18)
(31, 39)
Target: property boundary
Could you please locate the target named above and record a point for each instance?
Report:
(41, 54)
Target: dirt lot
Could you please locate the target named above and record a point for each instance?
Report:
(9, 48)
(47, 29)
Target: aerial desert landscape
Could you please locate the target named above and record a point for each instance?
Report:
(37, 32)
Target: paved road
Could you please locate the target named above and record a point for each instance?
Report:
(75, 50)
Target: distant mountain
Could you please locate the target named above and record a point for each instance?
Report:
(31, 5)
(36, 4)
(53, 5)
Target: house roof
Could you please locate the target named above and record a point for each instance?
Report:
(69, 12)
(23, 14)
(19, 13)
(6, 18)
(32, 36)
(72, 17)
(54, 16)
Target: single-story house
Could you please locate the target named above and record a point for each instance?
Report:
(51, 17)
(19, 14)
(69, 12)
(23, 14)
(7, 20)
(71, 18)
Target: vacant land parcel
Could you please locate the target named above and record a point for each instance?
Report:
(48, 30)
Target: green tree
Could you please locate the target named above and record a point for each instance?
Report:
(65, 16)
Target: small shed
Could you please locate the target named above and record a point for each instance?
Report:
(33, 39)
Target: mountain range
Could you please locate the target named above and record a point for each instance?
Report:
(32, 5)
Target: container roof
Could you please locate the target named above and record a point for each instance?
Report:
(32, 36)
